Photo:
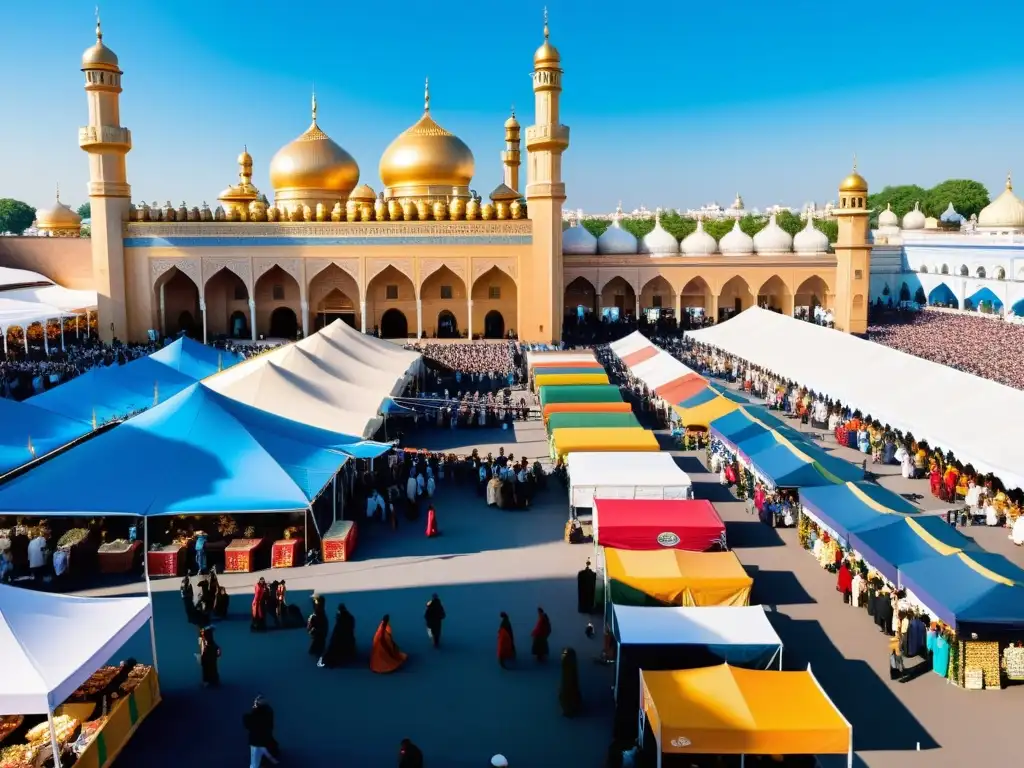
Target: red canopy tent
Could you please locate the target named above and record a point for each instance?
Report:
(642, 524)
(682, 389)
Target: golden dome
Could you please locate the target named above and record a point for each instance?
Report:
(512, 122)
(58, 218)
(245, 158)
(854, 182)
(547, 56)
(99, 56)
(363, 193)
(426, 158)
(313, 167)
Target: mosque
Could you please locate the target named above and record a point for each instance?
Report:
(424, 254)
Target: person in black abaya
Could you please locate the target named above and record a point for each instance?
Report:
(569, 695)
(342, 648)
(316, 627)
(409, 755)
(188, 599)
(434, 616)
(586, 588)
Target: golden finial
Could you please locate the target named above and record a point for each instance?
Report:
(854, 162)
(58, 191)
(314, 103)
(1009, 181)
(426, 95)
(99, 28)
(546, 33)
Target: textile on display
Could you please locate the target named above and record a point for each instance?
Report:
(625, 476)
(621, 439)
(565, 379)
(584, 393)
(591, 420)
(652, 524)
(675, 577)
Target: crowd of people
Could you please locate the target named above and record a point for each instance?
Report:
(474, 361)
(977, 345)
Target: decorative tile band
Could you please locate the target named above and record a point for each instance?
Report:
(279, 242)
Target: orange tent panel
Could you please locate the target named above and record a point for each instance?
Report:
(684, 390)
(678, 380)
(586, 408)
(586, 362)
(639, 356)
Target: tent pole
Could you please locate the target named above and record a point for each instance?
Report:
(305, 529)
(743, 760)
(149, 591)
(334, 497)
(53, 739)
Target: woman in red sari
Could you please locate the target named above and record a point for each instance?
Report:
(844, 581)
(935, 480)
(432, 530)
(259, 606)
(506, 641)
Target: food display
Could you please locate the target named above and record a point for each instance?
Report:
(19, 756)
(166, 560)
(72, 537)
(114, 682)
(9, 724)
(339, 543)
(116, 547)
(64, 726)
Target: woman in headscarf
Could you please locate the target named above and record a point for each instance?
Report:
(385, 656)
(569, 695)
(434, 616)
(281, 603)
(342, 647)
(506, 641)
(209, 653)
(188, 599)
(316, 627)
(259, 606)
(541, 633)
(432, 530)
(220, 603)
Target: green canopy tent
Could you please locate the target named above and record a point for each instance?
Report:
(592, 420)
(580, 393)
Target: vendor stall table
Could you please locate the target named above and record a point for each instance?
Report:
(339, 543)
(286, 553)
(240, 555)
(168, 560)
(124, 718)
(119, 560)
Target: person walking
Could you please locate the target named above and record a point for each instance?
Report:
(208, 656)
(316, 627)
(433, 616)
(409, 755)
(506, 641)
(540, 634)
(259, 722)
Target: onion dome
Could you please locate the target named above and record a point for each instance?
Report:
(811, 241)
(98, 56)
(615, 239)
(950, 216)
(854, 182)
(58, 220)
(577, 240)
(363, 194)
(887, 218)
(426, 161)
(914, 219)
(773, 239)
(512, 123)
(1005, 211)
(547, 56)
(659, 242)
(312, 169)
(699, 242)
(736, 242)
(240, 195)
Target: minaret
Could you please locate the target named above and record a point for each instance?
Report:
(853, 255)
(510, 158)
(540, 307)
(109, 194)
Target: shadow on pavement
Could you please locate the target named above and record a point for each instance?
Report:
(773, 588)
(752, 534)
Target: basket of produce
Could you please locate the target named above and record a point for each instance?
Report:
(19, 756)
(72, 537)
(1013, 661)
(118, 556)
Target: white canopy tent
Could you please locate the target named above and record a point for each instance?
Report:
(909, 393)
(14, 312)
(51, 644)
(66, 299)
(625, 476)
(659, 370)
(627, 345)
(9, 276)
(716, 625)
(533, 358)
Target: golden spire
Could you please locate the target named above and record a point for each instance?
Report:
(99, 28)
(1009, 181)
(314, 105)
(547, 33)
(426, 95)
(58, 191)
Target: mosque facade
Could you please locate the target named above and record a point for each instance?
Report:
(423, 255)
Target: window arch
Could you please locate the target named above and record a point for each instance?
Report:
(964, 271)
(945, 269)
(923, 269)
(1000, 273)
(981, 273)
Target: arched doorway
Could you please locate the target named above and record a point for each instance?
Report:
(774, 295)
(734, 298)
(390, 290)
(495, 291)
(984, 300)
(494, 325)
(904, 292)
(658, 295)
(618, 299)
(336, 305)
(176, 295)
(393, 325)
(226, 298)
(447, 325)
(283, 324)
(186, 324)
(277, 289)
(941, 294)
(580, 300)
(811, 293)
(334, 295)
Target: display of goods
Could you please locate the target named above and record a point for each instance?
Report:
(72, 537)
(18, 756)
(95, 686)
(9, 724)
(64, 725)
(983, 656)
(117, 546)
(1013, 660)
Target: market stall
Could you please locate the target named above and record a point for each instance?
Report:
(625, 476)
(611, 407)
(702, 409)
(581, 393)
(579, 420)
(841, 509)
(570, 379)
(30, 433)
(631, 343)
(783, 466)
(565, 358)
(622, 439)
(682, 389)
(46, 675)
(644, 524)
(554, 369)
(685, 638)
(726, 710)
(896, 541)
(674, 577)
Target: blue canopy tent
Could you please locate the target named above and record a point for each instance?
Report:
(781, 467)
(896, 541)
(974, 592)
(735, 427)
(708, 394)
(195, 360)
(27, 432)
(849, 507)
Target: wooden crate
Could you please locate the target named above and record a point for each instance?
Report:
(339, 543)
(286, 553)
(166, 561)
(240, 555)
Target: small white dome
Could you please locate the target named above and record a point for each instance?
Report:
(811, 241)
(615, 239)
(914, 219)
(773, 239)
(577, 240)
(736, 242)
(1006, 211)
(658, 242)
(699, 242)
(950, 216)
(887, 218)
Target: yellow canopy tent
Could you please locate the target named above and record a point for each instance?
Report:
(561, 379)
(631, 439)
(675, 577)
(727, 710)
(702, 415)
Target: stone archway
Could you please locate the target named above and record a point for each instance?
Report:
(494, 291)
(275, 289)
(238, 325)
(580, 298)
(657, 293)
(394, 324)
(177, 295)
(812, 292)
(442, 292)
(944, 295)
(618, 295)
(494, 325)
(333, 294)
(734, 297)
(774, 294)
(696, 294)
(284, 323)
(390, 289)
(226, 296)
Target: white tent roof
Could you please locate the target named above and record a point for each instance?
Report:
(624, 476)
(629, 344)
(532, 358)
(909, 393)
(65, 299)
(11, 276)
(660, 369)
(714, 625)
(50, 644)
(379, 353)
(22, 313)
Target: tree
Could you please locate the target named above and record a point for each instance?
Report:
(967, 196)
(85, 210)
(901, 197)
(830, 227)
(789, 221)
(15, 216)
(596, 227)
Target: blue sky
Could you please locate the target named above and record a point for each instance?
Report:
(667, 107)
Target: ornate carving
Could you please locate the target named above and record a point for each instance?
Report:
(315, 266)
(328, 229)
(508, 266)
(291, 266)
(241, 267)
(191, 267)
(375, 266)
(430, 266)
